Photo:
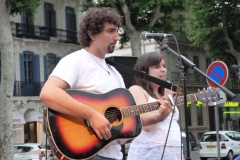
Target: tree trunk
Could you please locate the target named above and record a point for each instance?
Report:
(135, 43)
(7, 83)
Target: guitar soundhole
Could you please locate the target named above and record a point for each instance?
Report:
(113, 115)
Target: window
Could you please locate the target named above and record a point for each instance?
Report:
(29, 73)
(196, 62)
(237, 136)
(25, 19)
(199, 115)
(71, 25)
(213, 138)
(87, 1)
(26, 28)
(50, 61)
(50, 20)
(233, 136)
(189, 116)
(208, 62)
(22, 149)
(28, 68)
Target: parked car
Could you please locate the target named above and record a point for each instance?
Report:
(29, 151)
(192, 139)
(229, 142)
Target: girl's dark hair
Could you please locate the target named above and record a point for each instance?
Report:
(143, 63)
(93, 21)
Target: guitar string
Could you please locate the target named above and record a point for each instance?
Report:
(114, 113)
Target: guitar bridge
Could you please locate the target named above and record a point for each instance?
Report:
(88, 126)
(87, 123)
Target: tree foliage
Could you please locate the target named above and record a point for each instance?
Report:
(215, 24)
(144, 15)
(17, 6)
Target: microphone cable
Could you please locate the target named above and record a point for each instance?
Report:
(174, 107)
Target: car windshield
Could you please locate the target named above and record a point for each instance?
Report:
(213, 138)
(233, 136)
(25, 148)
(22, 149)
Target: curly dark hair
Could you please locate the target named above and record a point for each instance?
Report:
(94, 20)
(143, 63)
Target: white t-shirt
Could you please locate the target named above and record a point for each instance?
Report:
(86, 72)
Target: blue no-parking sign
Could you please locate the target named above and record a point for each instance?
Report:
(218, 71)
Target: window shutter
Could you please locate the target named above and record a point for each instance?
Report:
(36, 68)
(54, 24)
(21, 67)
(58, 59)
(45, 68)
(74, 22)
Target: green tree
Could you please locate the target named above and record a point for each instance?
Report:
(8, 8)
(144, 15)
(215, 24)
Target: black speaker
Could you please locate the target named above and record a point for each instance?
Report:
(126, 74)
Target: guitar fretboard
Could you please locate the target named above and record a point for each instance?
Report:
(143, 108)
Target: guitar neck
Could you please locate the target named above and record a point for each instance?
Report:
(144, 108)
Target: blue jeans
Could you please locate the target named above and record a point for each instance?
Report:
(97, 157)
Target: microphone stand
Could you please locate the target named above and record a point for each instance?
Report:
(188, 64)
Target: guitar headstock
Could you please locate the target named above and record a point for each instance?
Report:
(208, 95)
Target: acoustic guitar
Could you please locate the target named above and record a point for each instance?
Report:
(73, 138)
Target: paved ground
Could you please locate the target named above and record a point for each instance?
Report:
(194, 155)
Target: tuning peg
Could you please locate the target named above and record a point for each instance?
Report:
(211, 99)
(203, 100)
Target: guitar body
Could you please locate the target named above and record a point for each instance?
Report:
(73, 138)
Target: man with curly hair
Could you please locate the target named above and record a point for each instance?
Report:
(87, 70)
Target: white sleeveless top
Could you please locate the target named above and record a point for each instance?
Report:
(157, 136)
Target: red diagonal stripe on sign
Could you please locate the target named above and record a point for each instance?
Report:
(217, 75)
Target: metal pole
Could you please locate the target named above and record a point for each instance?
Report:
(217, 129)
(186, 118)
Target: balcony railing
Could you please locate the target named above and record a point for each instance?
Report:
(44, 33)
(22, 88)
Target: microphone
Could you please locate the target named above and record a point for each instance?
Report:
(236, 69)
(157, 36)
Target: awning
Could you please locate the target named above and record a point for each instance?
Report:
(32, 115)
(18, 118)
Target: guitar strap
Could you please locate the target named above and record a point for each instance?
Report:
(144, 76)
